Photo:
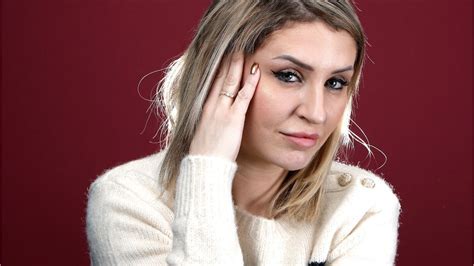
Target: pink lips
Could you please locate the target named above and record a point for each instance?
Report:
(302, 139)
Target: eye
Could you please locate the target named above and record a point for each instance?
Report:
(287, 76)
(335, 83)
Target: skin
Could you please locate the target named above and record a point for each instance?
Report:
(280, 98)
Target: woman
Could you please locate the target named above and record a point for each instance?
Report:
(257, 108)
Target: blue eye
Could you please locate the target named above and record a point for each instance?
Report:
(287, 76)
(336, 83)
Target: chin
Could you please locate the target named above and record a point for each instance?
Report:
(293, 161)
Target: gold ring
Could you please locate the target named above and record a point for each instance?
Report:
(228, 94)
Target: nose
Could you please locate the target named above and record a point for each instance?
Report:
(312, 105)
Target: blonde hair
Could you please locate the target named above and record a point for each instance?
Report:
(229, 26)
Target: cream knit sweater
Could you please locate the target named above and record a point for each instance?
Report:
(128, 224)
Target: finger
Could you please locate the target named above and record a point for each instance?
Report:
(245, 95)
(232, 80)
(218, 80)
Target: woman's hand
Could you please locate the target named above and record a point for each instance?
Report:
(219, 132)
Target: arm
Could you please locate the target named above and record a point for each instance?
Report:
(126, 223)
(204, 227)
(373, 241)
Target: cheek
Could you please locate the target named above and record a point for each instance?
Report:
(336, 111)
(267, 106)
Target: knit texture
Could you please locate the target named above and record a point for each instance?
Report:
(128, 223)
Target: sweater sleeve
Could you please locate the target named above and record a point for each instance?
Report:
(204, 228)
(373, 241)
(126, 223)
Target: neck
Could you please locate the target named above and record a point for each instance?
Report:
(255, 184)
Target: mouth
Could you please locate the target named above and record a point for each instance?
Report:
(301, 139)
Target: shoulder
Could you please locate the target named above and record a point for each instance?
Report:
(125, 203)
(147, 166)
(359, 217)
(142, 171)
(136, 180)
(361, 187)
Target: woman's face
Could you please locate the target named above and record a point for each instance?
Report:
(301, 95)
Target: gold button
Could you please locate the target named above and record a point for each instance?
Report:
(368, 183)
(344, 179)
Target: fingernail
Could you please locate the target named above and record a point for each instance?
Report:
(254, 68)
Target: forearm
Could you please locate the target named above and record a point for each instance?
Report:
(204, 229)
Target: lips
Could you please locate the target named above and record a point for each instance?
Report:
(302, 139)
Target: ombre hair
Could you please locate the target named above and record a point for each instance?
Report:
(230, 26)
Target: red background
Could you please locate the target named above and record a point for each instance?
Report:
(70, 109)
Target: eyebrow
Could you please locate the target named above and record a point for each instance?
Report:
(308, 67)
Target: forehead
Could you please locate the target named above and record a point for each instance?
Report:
(315, 42)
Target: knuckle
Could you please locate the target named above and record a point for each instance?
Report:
(243, 94)
(231, 81)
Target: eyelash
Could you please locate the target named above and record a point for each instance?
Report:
(343, 83)
(285, 76)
